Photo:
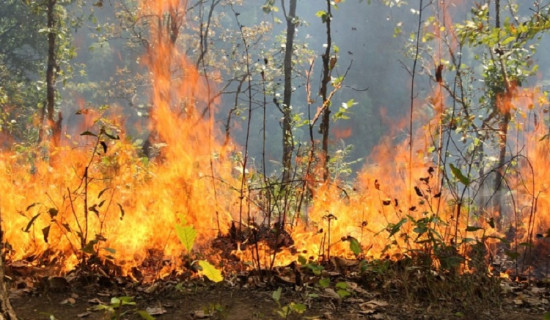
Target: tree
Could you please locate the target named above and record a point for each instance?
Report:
(288, 143)
(21, 65)
(51, 76)
(329, 62)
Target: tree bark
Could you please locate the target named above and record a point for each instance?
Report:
(51, 77)
(327, 68)
(287, 94)
(503, 131)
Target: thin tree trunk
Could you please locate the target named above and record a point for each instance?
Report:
(287, 95)
(51, 73)
(48, 110)
(503, 131)
(328, 64)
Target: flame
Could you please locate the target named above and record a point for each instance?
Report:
(95, 193)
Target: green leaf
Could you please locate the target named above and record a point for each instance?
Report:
(210, 271)
(491, 222)
(511, 254)
(122, 301)
(104, 145)
(94, 209)
(394, 228)
(187, 236)
(145, 315)
(315, 268)
(324, 282)
(67, 226)
(31, 205)
(111, 250)
(88, 133)
(297, 307)
(114, 137)
(508, 40)
(355, 246)
(343, 293)
(472, 228)
(121, 211)
(320, 13)
(101, 192)
(284, 312)
(53, 212)
(323, 15)
(341, 285)
(29, 225)
(547, 316)
(89, 247)
(458, 174)
(302, 260)
(46, 232)
(276, 295)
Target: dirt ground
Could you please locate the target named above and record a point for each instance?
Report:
(198, 299)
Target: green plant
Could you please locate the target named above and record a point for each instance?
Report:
(187, 235)
(78, 232)
(284, 311)
(215, 310)
(114, 308)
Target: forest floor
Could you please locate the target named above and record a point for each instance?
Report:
(410, 297)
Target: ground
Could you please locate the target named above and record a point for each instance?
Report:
(247, 298)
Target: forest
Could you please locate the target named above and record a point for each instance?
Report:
(274, 159)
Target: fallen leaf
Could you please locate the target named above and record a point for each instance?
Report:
(533, 301)
(330, 293)
(84, 314)
(367, 310)
(95, 301)
(200, 314)
(155, 311)
(151, 288)
(538, 290)
(378, 303)
(68, 301)
(362, 291)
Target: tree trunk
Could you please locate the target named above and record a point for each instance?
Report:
(503, 132)
(51, 75)
(287, 95)
(327, 68)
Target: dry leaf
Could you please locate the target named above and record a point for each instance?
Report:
(518, 301)
(330, 293)
(155, 311)
(95, 301)
(533, 301)
(378, 303)
(68, 301)
(151, 288)
(200, 314)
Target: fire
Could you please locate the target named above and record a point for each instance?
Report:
(95, 195)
